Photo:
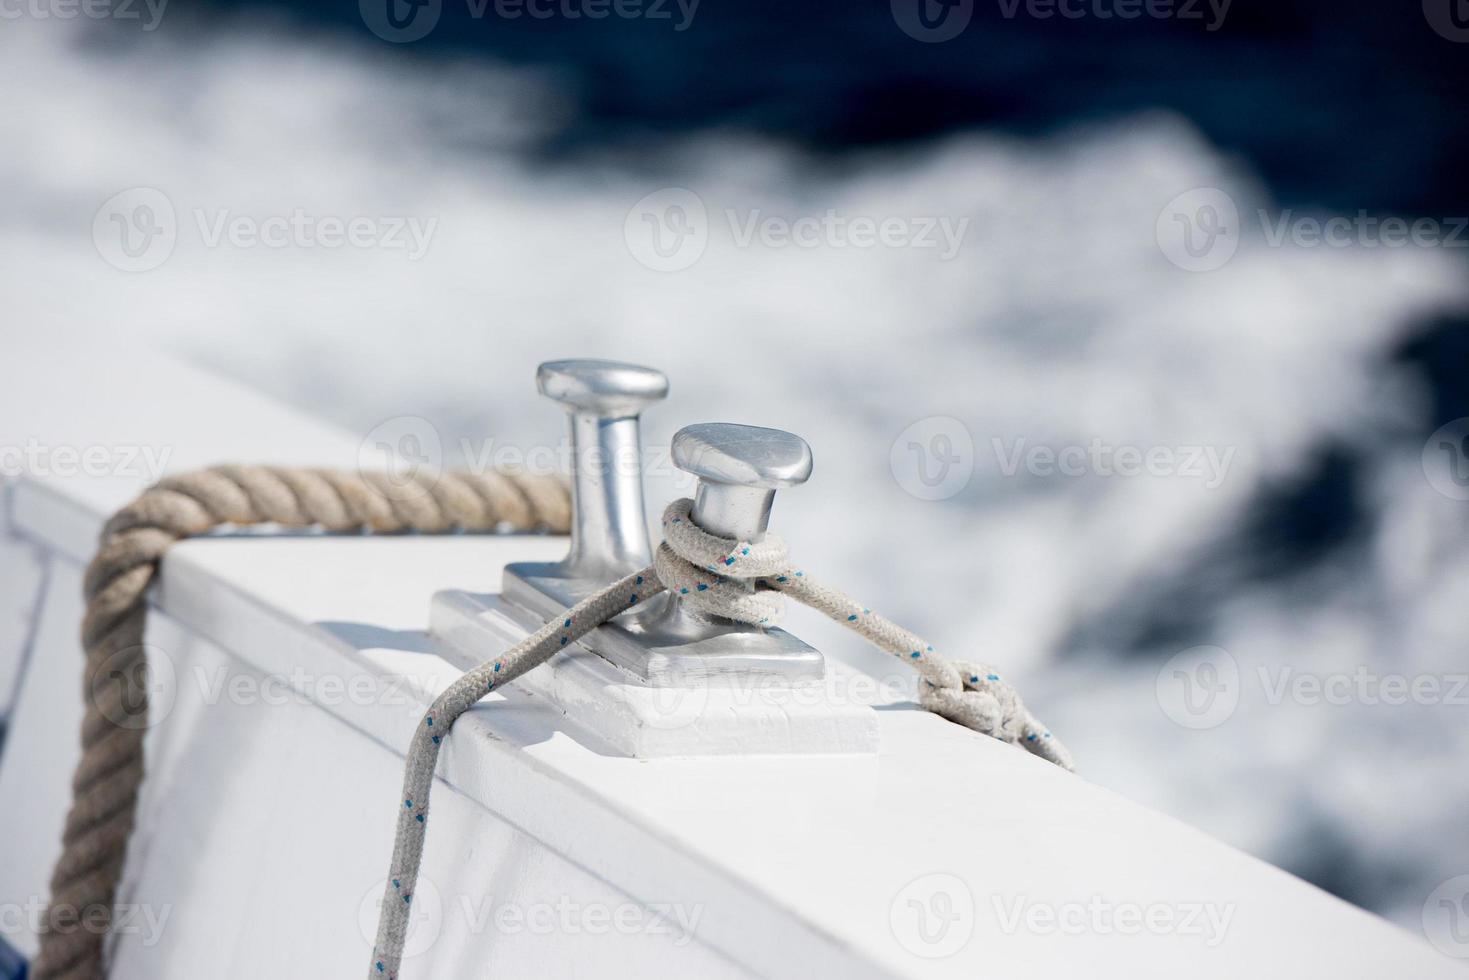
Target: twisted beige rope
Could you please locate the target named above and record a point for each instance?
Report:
(105, 786)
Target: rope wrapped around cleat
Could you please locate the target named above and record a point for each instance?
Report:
(741, 580)
(738, 580)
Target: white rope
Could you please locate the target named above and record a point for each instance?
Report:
(715, 575)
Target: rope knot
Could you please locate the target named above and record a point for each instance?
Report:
(745, 580)
(719, 576)
(991, 706)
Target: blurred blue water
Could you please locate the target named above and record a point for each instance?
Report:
(1342, 105)
(1063, 321)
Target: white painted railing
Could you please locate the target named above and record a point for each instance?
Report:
(298, 666)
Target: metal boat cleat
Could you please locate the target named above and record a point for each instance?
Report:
(609, 531)
(664, 678)
(666, 643)
(739, 468)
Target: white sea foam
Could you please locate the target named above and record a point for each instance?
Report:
(1058, 322)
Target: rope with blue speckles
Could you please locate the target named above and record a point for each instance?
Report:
(710, 573)
(715, 575)
(428, 738)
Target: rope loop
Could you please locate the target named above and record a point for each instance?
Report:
(989, 704)
(719, 576)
